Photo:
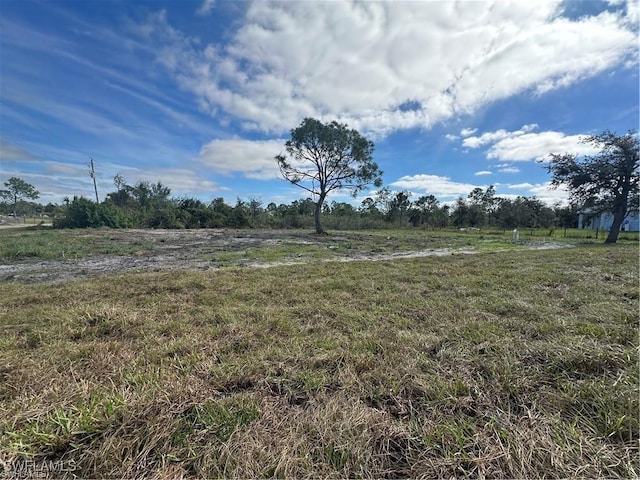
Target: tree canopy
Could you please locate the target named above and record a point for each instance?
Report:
(18, 189)
(605, 182)
(322, 157)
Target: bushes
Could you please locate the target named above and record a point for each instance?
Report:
(178, 213)
(82, 213)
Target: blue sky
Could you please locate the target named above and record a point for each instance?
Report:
(202, 95)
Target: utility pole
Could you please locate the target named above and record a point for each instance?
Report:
(92, 174)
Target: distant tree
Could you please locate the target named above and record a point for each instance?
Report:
(442, 216)
(425, 210)
(51, 209)
(150, 195)
(486, 198)
(369, 207)
(398, 207)
(566, 216)
(382, 199)
(482, 205)
(343, 209)
(255, 210)
(460, 214)
(18, 189)
(122, 196)
(240, 215)
(304, 207)
(476, 216)
(119, 181)
(322, 157)
(220, 210)
(540, 215)
(609, 180)
(510, 213)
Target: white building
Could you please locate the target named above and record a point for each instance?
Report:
(603, 221)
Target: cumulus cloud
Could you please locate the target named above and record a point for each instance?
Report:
(434, 185)
(467, 132)
(364, 62)
(542, 191)
(524, 145)
(483, 172)
(451, 137)
(633, 12)
(538, 146)
(254, 159)
(492, 137)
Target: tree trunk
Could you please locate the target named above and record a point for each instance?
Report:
(316, 215)
(618, 218)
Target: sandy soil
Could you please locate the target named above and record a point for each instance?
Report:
(198, 250)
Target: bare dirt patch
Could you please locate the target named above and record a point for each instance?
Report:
(165, 250)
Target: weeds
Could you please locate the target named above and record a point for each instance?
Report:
(45, 244)
(504, 364)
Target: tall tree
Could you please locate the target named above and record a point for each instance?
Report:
(607, 181)
(398, 206)
(322, 157)
(482, 205)
(426, 207)
(18, 189)
(460, 214)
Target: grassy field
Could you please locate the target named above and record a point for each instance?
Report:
(507, 363)
(33, 243)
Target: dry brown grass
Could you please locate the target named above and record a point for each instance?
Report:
(504, 365)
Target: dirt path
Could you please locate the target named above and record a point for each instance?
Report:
(215, 249)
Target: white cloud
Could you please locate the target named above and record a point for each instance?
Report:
(492, 137)
(509, 170)
(362, 62)
(484, 172)
(434, 185)
(254, 159)
(185, 182)
(543, 192)
(524, 145)
(538, 146)
(633, 12)
(451, 137)
(467, 132)
(181, 181)
(206, 7)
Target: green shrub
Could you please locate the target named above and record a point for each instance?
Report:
(83, 213)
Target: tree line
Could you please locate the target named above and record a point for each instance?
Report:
(150, 205)
(324, 157)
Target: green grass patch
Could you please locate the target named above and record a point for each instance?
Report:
(508, 363)
(47, 243)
